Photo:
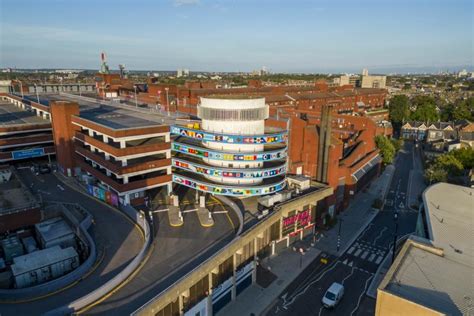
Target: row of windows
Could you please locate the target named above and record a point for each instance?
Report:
(232, 114)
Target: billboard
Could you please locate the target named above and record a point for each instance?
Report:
(228, 138)
(28, 153)
(204, 153)
(228, 190)
(229, 173)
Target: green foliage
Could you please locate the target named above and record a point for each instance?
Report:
(465, 156)
(460, 110)
(425, 109)
(387, 150)
(451, 164)
(397, 143)
(399, 109)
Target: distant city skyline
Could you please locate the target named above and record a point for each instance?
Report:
(203, 35)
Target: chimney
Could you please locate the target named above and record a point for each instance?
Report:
(324, 144)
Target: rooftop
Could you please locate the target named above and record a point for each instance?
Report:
(438, 272)
(13, 115)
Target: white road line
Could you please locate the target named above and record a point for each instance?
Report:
(371, 258)
(365, 254)
(380, 235)
(357, 253)
(351, 250)
(347, 277)
(379, 259)
(362, 294)
(292, 300)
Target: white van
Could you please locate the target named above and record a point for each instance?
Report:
(333, 295)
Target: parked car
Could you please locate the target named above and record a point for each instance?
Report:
(333, 295)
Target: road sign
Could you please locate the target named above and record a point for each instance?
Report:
(401, 205)
(28, 153)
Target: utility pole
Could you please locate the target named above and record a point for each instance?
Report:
(395, 218)
(339, 235)
(167, 101)
(21, 89)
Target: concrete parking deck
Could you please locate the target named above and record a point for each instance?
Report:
(117, 238)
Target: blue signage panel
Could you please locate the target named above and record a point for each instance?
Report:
(28, 153)
(229, 138)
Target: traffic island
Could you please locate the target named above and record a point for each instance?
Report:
(205, 217)
(174, 216)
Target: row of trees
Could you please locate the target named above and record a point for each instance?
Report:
(388, 147)
(424, 108)
(450, 165)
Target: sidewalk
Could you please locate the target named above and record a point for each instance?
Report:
(285, 265)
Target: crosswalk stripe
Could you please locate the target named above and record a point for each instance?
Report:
(371, 258)
(379, 259)
(357, 253)
(364, 255)
(351, 250)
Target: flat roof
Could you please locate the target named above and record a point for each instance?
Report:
(10, 114)
(53, 229)
(438, 272)
(115, 118)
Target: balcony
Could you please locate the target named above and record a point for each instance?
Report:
(114, 150)
(120, 187)
(116, 167)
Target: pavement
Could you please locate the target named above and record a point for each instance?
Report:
(366, 237)
(115, 250)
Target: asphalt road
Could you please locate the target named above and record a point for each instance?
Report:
(357, 266)
(118, 248)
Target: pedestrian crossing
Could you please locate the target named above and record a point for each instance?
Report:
(367, 252)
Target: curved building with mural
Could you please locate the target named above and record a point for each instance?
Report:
(230, 152)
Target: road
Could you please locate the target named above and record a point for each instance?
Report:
(116, 250)
(357, 266)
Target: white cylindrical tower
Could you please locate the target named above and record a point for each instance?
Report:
(241, 115)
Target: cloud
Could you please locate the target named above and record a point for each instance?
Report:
(179, 3)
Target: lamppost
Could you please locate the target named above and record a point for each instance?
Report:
(37, 95)
(136, 102)
(339, 234)
(395, 218)
(301, 257)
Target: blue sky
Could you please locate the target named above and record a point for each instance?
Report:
(238, 35)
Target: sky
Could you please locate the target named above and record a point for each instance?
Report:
(239, 35)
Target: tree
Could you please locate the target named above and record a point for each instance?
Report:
(425, 109)
(465, 156)
(399, 109)
(463, 109)
(443, 167)
(397, 144)
(387, 150)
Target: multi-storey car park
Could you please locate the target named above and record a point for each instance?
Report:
(227, 150)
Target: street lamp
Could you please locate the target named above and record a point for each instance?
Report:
(339, 234)
(37, 95)
(395, 218)
(136, 102)
(301, 257)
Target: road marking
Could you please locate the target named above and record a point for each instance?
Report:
(351, 264)
(365, 254)
(371, 258)
(351, 250)
(303, 291)
(361, 294)
(379, 259)
(380, 235)
(357, 253)
(344, 262)
(347, 277)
